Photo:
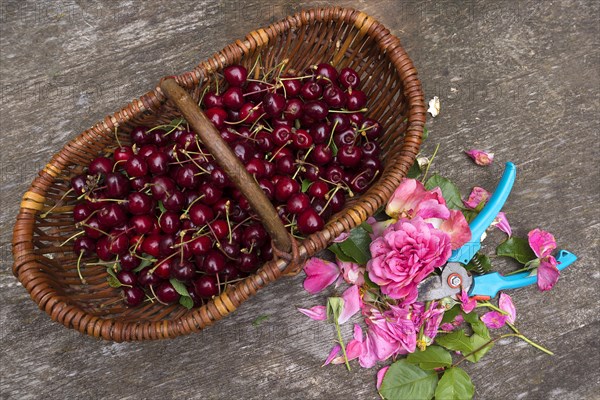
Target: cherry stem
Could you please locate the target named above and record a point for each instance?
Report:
(430, 162)
(71, 237)
(279, 149)
(44, 215)
(83, 281)
(303, 159)
(362, 110)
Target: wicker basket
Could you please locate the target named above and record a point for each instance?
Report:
(344, 37)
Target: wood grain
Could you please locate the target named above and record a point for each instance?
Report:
(519, 78)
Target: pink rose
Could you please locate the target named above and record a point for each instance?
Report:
(406, 253)
(411, 199)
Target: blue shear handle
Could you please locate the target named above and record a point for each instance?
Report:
(491, 284)
(486, 216)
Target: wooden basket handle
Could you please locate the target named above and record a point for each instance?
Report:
(227, 160)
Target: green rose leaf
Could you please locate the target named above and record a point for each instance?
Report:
(406, 381)
(179, 287)
(432, 357)
(187, 302)
(451, 314)
(357, 245)
(334, 148)
(455, 384)
(474, 346)
(415, 171)
(147, 260)
(449, 190)
(517, 248)
(425, 133)
(337, 250)
(305, 185)
(477, 325)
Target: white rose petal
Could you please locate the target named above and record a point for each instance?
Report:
(434, 106)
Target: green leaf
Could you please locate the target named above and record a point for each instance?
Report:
(259, 320)
(415, 171)
(112, 279)
(517, 248)
(336, 249)
(145, 262)
(449, 190)
(451, 314)
(367, 227)
(455, 384)
(161, 207)
(477, 325)
(406, 381)
(425, 133)
(335, 305)
(334, 148)
(459, 341)
(357, 245)
(432, 357)
(305, 185)
(480, 264)
(179, 287)
(177, 121)
(187, 302)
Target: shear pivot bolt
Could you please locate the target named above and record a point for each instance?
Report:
(454, 280)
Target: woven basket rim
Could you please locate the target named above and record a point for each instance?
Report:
(25, 260)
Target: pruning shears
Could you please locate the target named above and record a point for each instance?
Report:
(455, 278)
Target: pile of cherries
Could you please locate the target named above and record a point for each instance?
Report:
(167, 222)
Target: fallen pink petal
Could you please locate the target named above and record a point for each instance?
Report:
(381, 375)
(332, 354)
(547, 274)
(494, 319)
(466, 303)
(411, 199)
(352, 272)
(501, 222)
(319, 274)
(458, 228)
(541, 242)
(481, 157)
(352, 303)
(506, 304)
(476, 196)
(318, 313)
(343, 236)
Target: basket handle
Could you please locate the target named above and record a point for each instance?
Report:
(227, 160)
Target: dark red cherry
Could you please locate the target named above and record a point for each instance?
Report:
(133, 296)
(318, 189)
(320, 132)
(127, 278)
(255, 91)
(201, 245)
(264, 141)
(183, 271)
(136, 166)
(371, 163)
(111, 215)
(217, 116)
(169, 222)
(92, 228)
(313, 173)
(344, 137)
(356, 100)
(297, 203)
(210, 193)
(161, 187)
(147, 150)
(102, 249)
(158, 163)
(285, 165)
(325, 73)
(321, 206)
(254, 235)
(84, 244)
(334, 174)
(273, 104)
(335, 97)
(122, 154)
(118, 245)
(129, 262)
(321, 154)
(281, 135)
(244, 151)
(233, 98)
(291, 86)
(81, 211)
(235, 75)
(139, 203)
(163, 268)
(214, 262)
(255, 167)
(140, 182)
(211, 99)
(293, 109)
(166, 293)
(231, 250)
(349, 155)
(348, 78)
(301, 139)
(229, 273)
(100, 165)
(201, 214)
(286, 187)
(311, 90)
(140, 135)
(316, 109)
(117, 185)
(151, 245)
(309, 222)
(337, 201)
(206, 286)
(371, 128)
(175, 201)
(188, 176)
(146, 277)
(370, 149)
(250, 113)
(79, 185)
(248, 262)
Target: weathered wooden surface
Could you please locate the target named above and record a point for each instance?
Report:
(517, 77)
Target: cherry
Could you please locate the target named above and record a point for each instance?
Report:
(243, 150)
(356, 100)
(102, 249)
(274, 104)
(169, 222)
(81, 211)
(211, 99)
(337, 201)
(326, 73)
(147, 150)
(335, 97)
(370, 149)
(297, 203)
(254, 235)
(136, 166)
(256, 167)
(151, 245)
(118, 245)
(214, 262)
(316, 109)
(371, 128)
(187, 176)
(356, 118)
(229, 273)
(162, 187)
(78, 184)
(309, 222)
(250, 113)
(219, 178)
(348, 78)
(210, 193)
(163, 268)
(201, 214)
(133, 296)
(340, 121)
(344, 137)
(117, 186)
(264, 141)
(281, 135)
(101, 165)
(139, 135)
(129, 262)
(231, 250)
(139, 203)
(293, 109)
(206, 286)
(334, 174)
(217, 116)
(371, 163)
(255, 91)
(286, 187)
(360, 183)
(84, 244)
(166, 293)
(313, 173)
(175, 201)
(183, 271)
(111, 215)
(322, 208)
(140, 182)
(127, 278)
(301, 139)
(267, 187)
(311, 91)
(349, 155)
(92, 228)
(158, 163)
(248, 262)
(166, 245)
(122, 154)
(320, 132)
(220, 228)
(291, 87)
(321, 154)
(235, 75)
(233, 98)
(142, 224)
(285, 165)
(201, 245)
(318, 189)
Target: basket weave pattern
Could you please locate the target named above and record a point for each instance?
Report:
(344, 37)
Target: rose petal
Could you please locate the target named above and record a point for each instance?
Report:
(332, 354)
(318, 313)
(494, 319)
(405, 198)
(505, 303)
(381, 375)
(480, 157)
(352, 273)
(353, 349)
(541, 242)
(447, 327)
(458, 228)
(547, 274)
(319, 274)
(467, 304)
(358, 334)
(343, 236)
(352, 303)
(477, 195)
(501, 223)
